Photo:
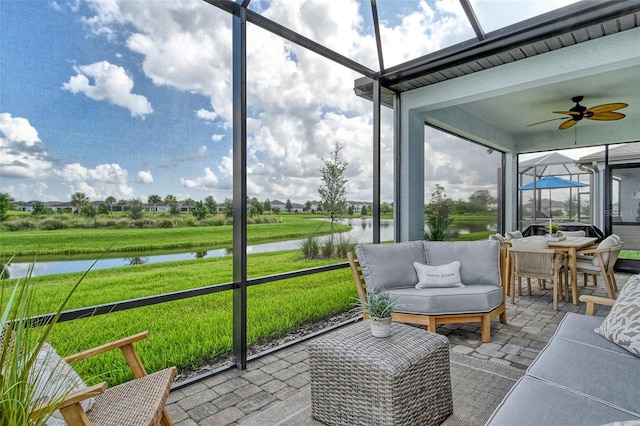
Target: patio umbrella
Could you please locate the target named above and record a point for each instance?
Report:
(551, 182)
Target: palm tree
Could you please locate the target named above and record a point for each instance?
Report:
(154, 200)
(189, 202)
(111, 200)
(173, 204)
(79, 200)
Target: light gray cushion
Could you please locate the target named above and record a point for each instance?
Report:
(432, 276)
(497, 237)
(532, 402)
(479, 260)
(608, 242)
(622, 324)
(530, 243)
(512, 235)
(452, 300)
(53, 378)
(596, 372)
(580, 328)
(390, 265)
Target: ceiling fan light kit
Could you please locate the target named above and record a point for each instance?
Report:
(604, 112)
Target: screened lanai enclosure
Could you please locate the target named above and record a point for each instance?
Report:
(245, 99)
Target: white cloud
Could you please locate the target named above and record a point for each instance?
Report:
(206, 114)
(98, 183)
(203, 183)
(22, 154)
(110, 83)
(144, 177)
(300, 103)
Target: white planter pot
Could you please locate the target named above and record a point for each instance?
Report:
(380, 327)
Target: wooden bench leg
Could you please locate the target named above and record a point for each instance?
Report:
(432, 325)
(485, 324)
(165, 420)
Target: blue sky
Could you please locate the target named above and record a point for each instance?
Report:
(131, 98)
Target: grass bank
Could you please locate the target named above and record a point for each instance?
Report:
(188, 333)
(89, 241)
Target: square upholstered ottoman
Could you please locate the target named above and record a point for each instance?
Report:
(358, 379)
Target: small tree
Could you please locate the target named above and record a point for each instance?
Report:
(288, 206)
(438, 212)
(5, 205)
(228, 207)
(137, 208)
(364, 211)
(211, 204)
(199, 211)
(333, 191)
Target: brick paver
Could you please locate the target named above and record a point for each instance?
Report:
(232, 397)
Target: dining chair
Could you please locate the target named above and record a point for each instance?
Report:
(600, 261)
(531, 260)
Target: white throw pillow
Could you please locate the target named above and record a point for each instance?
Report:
(53, 376)
(622, 325)
(447, 275)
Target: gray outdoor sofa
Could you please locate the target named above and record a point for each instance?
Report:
(475, 295)
(580, 377)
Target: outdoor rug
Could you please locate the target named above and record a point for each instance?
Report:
(478, 387)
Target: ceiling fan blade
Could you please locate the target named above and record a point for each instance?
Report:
(553, 119)
(604, 116)
(606, 107)
(566, 112)
(567, 124)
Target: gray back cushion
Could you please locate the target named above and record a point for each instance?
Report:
(390, 265)
(479, 260)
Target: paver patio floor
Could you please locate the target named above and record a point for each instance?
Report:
(233, 397)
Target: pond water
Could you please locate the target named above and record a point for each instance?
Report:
(361, 232)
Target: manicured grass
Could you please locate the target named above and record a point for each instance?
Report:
(188, 333)
(75, 241)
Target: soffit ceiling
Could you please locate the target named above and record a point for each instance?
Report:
(567, 57)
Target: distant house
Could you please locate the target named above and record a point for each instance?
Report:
(157, 208)
(357, 205)
(278, 205)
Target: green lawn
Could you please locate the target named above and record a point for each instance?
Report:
(89, 241)
(188, 333)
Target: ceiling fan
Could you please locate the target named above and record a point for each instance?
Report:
(604, 112)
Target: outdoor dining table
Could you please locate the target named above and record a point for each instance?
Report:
(569, 246)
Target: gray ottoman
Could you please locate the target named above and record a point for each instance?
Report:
(358, 379)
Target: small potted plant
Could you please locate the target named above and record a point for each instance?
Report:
(379, 307)
(553, 230)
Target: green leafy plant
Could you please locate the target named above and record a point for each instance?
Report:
(28, 395)
(552, 228)
(438, 213)
(378, 305)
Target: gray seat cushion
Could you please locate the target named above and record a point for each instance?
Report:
(532, 402)
(390, 265)
(451, 300)
(599, 373)
(479, 260)
(579, 328)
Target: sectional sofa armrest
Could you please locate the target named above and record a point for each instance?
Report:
(592, 301)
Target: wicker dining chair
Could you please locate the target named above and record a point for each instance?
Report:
(540, 264)
(600, 261)
(134, 403)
